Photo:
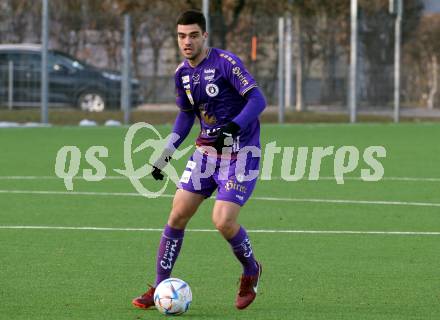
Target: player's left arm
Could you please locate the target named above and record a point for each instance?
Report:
(245, 84)
(253, 108)
(238, 76)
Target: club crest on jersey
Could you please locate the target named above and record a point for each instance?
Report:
(212, 89)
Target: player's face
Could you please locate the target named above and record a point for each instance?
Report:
(191, 40)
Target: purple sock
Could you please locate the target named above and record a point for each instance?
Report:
(241, 246)
(168, 251)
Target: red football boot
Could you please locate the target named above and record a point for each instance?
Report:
(146, 300)
(248, 289)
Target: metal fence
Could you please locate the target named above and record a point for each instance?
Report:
(85, 61)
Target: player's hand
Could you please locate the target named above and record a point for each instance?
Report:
(160, 164)
(228, 132)
(157, 173)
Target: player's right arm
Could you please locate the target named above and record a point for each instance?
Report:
(182, 127)
(185, 118)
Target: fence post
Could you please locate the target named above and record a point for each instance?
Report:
(10, 84)
(281, 101)
(299, 82)
(397, 53)
(353, 61)
(205, 5)
(126, 77)
(288, 41)
(44, 68)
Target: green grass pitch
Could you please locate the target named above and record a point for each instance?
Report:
(313, 270)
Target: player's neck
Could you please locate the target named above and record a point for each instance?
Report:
(196, 61)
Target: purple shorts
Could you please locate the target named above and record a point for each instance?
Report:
(234, 179)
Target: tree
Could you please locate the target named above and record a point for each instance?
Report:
(332, 21)
(153, 27)
(318, 26)
(422, 62)
(377, 44)
(20, 21)
(225, 16)
(77, 26)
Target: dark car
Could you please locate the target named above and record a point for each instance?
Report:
(71, 81)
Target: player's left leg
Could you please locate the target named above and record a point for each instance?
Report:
(232, 193)
(225, 216)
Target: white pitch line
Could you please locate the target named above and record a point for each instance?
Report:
(132, 194)
(324, 178)
(409, 179)
(352, 232)
(57, 178)
(347, 201)
(79, 193)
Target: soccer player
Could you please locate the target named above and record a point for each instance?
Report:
(214, 86)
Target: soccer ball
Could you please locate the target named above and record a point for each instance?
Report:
(172, 296)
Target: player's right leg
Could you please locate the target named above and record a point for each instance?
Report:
(185, 205)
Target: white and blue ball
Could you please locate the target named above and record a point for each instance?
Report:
(172, 296)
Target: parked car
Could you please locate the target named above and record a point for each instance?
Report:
(71, 81)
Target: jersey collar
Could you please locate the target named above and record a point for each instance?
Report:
(201, 62)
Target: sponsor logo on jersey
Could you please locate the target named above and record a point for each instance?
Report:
(191, 164)
(237, 71)
(185, 176)
(185, 79)
(232, 185)
(212, 89)
(209, 74)
(196, 78)
(209, 70)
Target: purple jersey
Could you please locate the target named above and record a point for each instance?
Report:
(215, 90)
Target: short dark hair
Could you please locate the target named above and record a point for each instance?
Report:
(192, 17)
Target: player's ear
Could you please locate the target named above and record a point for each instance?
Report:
(205, 35)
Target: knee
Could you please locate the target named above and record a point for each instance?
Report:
(179, 216)
(227, 227)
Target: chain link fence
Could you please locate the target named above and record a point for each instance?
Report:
(86, 45)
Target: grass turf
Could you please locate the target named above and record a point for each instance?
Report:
(84, 274)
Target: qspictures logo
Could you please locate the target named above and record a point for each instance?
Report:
(346, 159)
